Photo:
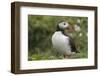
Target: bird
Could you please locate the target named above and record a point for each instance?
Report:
(62, 42)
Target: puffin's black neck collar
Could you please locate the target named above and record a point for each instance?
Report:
(62, 31)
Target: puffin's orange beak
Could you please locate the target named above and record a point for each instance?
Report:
(70, 28)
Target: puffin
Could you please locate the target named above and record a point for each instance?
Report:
(62, 42)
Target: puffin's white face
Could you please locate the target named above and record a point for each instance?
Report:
(63, 25)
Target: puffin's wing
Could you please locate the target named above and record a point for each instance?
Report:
(73, 46)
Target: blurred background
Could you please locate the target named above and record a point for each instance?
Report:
(41, 29)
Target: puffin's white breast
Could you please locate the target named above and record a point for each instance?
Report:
(61, 42)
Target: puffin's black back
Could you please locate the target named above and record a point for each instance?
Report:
(73, 46)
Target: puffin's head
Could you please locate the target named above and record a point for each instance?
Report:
(61, 26)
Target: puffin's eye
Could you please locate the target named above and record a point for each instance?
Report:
(64, 23)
